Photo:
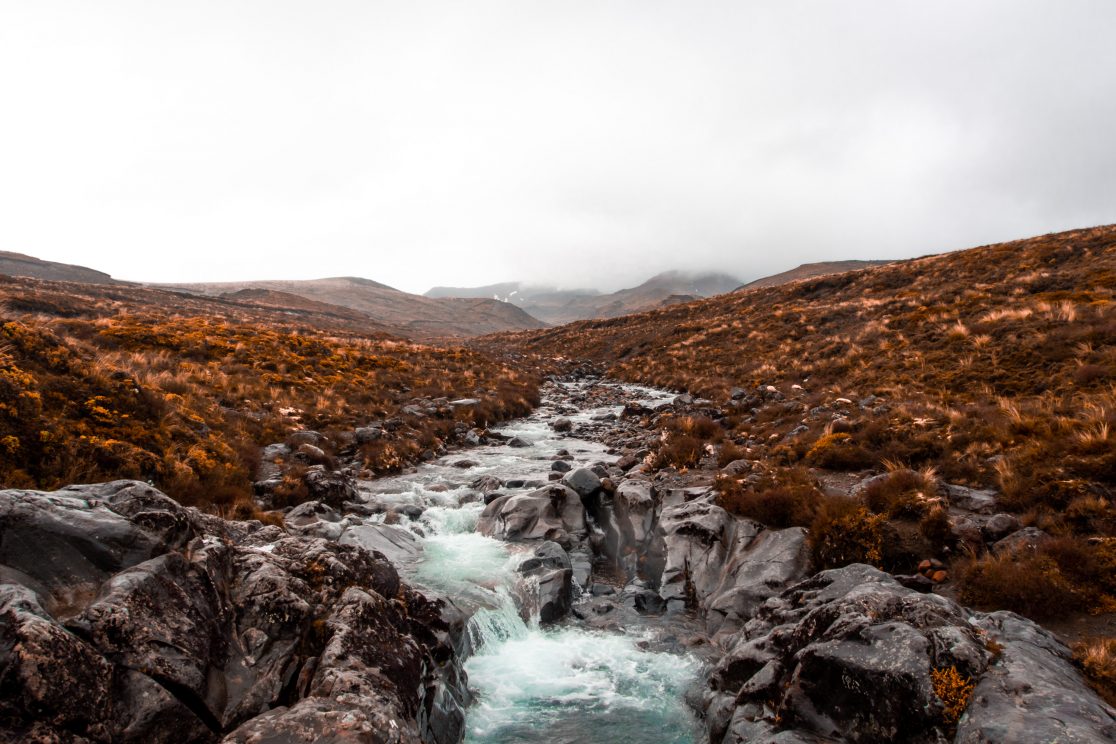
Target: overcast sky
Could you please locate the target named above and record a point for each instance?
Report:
(574, 143)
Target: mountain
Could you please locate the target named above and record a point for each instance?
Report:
(17, 264)
(558, 306)
(404, 313)
(810, 270)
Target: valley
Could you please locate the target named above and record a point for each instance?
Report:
(839, 508)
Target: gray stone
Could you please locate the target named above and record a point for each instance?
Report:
(583, 480)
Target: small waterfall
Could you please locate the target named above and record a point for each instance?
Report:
(489, 627)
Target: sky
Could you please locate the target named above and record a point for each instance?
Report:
(565, 143)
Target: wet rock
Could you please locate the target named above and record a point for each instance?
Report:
(518, 442)
(561, 424)
(545, 589)
(398, 544)
(466, 464)
(583, 481)
(486, 484)
(229, 625)
(544, 514)
(561, 466)
(724, 565)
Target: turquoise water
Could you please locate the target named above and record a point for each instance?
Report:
(563, 685)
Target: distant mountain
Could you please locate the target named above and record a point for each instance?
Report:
(404, 313)
(17, 264)
(809, 270)
(563, 306)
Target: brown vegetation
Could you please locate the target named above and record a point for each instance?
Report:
(991, 367)
(121, 382)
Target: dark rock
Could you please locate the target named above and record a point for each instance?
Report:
(545, 514)
(368, 434)
(486, 484)
(561, 424)
(847, 656)
(583, 481)
(331, 488)
(561, 466)
(547, 592)
(518, 442)
(466, 464)
(1027, 539)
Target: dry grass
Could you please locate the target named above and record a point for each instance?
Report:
(1097, 658)
(131, 383)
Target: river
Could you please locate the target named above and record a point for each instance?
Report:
(567, 682)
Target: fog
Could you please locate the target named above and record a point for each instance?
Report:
(562, 143)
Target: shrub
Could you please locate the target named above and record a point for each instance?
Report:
(680, 451)
(1097, 658)
(844, 532)
(937, 529)
(954, 690)
(788, 498)
(839, 452)
(1030, 584)
(903, 493)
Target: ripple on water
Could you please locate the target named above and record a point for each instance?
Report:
(573, 685)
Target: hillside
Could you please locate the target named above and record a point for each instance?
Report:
(558, 306)
(101, 382)
(811, 270)
(404, 313)
(17, 264)
(993, 367)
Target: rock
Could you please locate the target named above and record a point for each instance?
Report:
(314, 519)
(546, 588)
(330, 487)
(1032, 691)
(971, 499)
(583, 481)
(999, 526)
(518, 442)
(311, 454)
(1027, 539)
(195, 625)
(464, 402)
(398, 544)
(627, 462)
(549, 513)
(368, 434)
(313, 438)
(486, 484)
(561, 424)
(466, 464)
(847, 656)
(724, 565)
(737, 467)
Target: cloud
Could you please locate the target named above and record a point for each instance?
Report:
(573, 143)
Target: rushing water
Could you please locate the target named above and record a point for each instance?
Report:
(556, 685)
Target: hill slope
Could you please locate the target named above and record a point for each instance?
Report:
(17, 264)
(406, 314)
(811, 270)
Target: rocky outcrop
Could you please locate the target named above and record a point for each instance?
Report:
(851, 656)
(723, 565)
(553, 512)
(125, 617)
(545, 586)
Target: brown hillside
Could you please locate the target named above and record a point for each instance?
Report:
(102, 382)
(404, 313)
(810, 271)
(17, 264)
(994, 366)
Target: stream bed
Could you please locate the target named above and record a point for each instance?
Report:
(567, 682)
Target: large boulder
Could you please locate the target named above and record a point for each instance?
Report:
(724, 565)
(192, 627)
(544, 590)
(850, 655)
(583, 481)
(553, 512)
(398, 544)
